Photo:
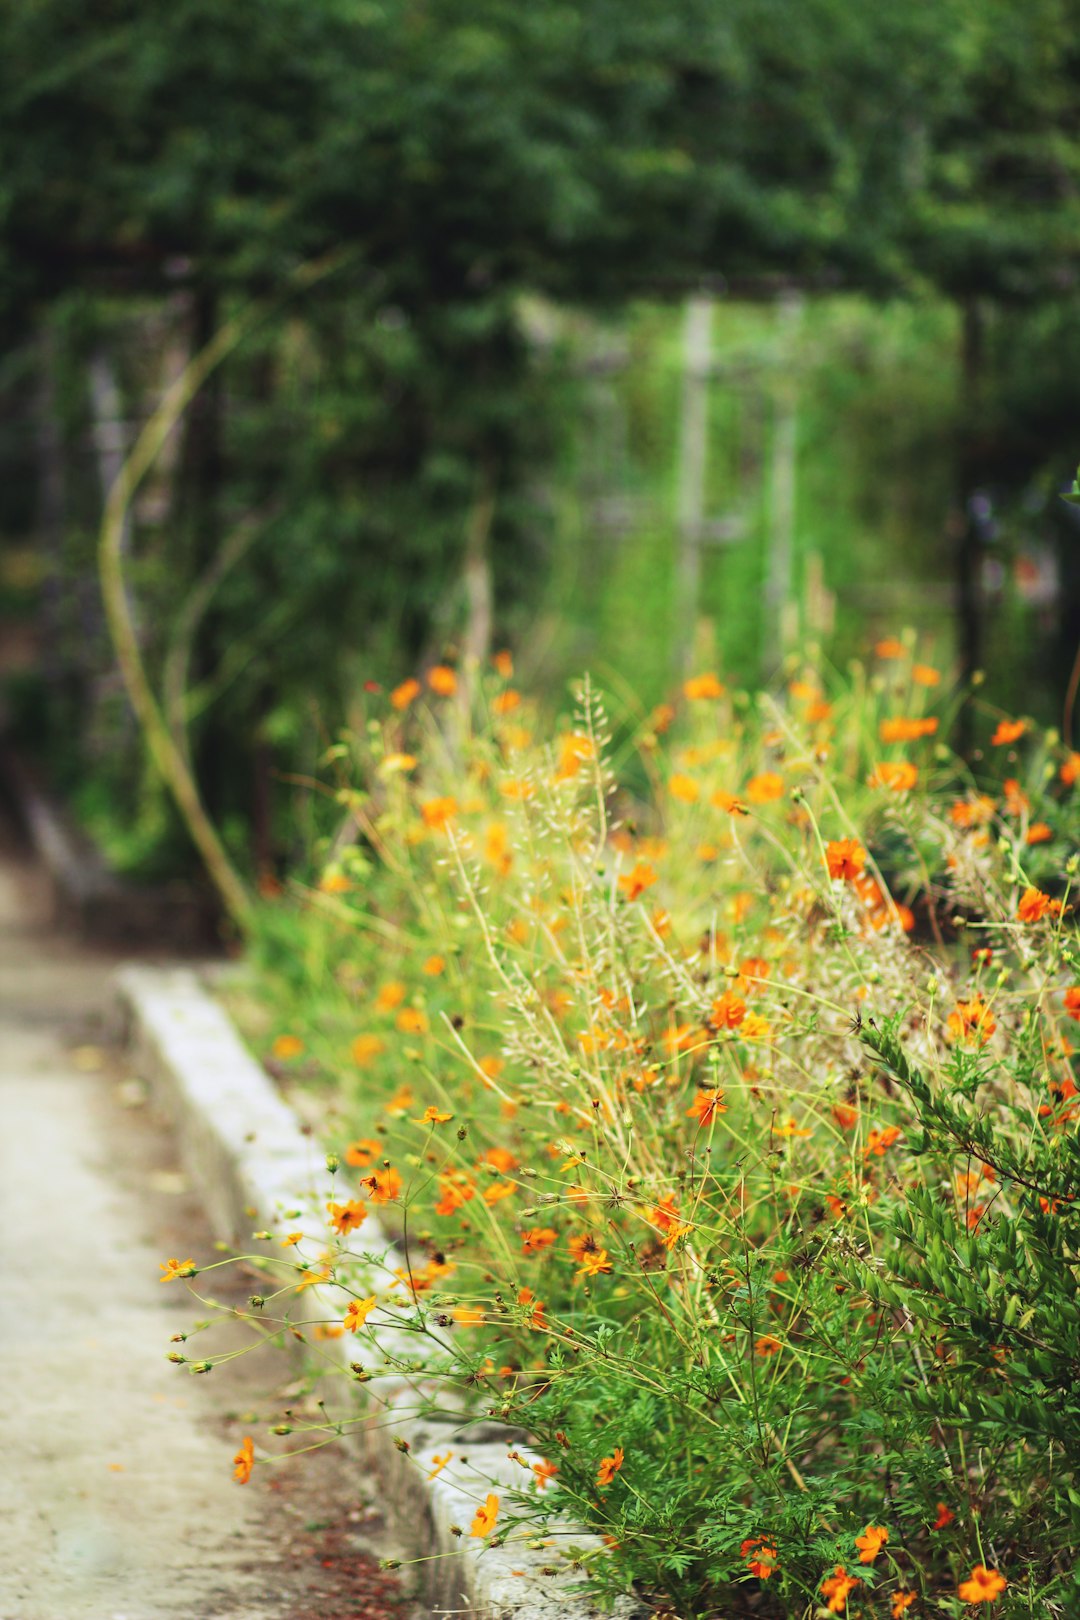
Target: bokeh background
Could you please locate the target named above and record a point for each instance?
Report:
(633, 335)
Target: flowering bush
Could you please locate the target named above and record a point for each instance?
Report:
(717, 1074)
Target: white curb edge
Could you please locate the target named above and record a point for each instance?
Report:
(242, 1147)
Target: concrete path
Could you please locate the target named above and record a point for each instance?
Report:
(116, 1494)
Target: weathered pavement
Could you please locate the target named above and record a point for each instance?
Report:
(116, 1494)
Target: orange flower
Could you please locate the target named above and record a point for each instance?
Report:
(172, 1269)
(634, 883)
(432, 1116)
(729, 803)
(903, 729)
(897, 775)
(706, 1105)
(1008, 731)
(594, 1263)
(767, 1345)
(438, 813)
(846, 1116)
(1034, 905)
(760, 1555)
(484, 1519)
(974, 812)
(518, 788)
(1016, 800)
(728, 1011)
(404, 694)
(384, 1185)
(502, 1158)
(455, 1189)
(755, 1028)
(837, 1587)
(845, 858)
(538, 1238)
(925, 675)
(366, 1047)
(982, 1586)
(683, 787)
(244, 1461)
(1072, 1002)
(361, 1152)
(1070, 771)
(878, 1141)
(972, 1022)
(543, 1471)
(871, 1542)
(345, 1218)
(699, 687)
(506, 702)
(574, 750)
(287, 1046)
(1039, 833)
(358, 1311)
(902, 1601)
(439, 1463)
(434, 966)
(889, 647)
(765, 788)
(391, 995)
(411, 1021)
(609, 1467)
(504, 663)
(442, 680)
(945, 1515)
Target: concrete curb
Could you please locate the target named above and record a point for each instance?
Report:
(242, 1147)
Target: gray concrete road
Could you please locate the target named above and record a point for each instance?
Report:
(116, 1494)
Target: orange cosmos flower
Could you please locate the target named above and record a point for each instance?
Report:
(390, 995)
(442, 680)
(706, 1105)
(699, 687)
(366, 1047)
(974, 812)
(729, 803)
(837, 1587)
(609, 1467)
(903, 729)
(945, 1515)
(846, 1116)
(432, 1116)
(439, 813)
(504, 663)
(543, 1471)
(761, 1557)
(244, 1461)
(361, 1152)
(634, 883)
(455, 1189)
(765, 788)
(900, 1602)
(1070, 771)
(538, 1238)
(518, 788)
(384, 1185)
(439, 1463)
(1016, 800)
(333, 882)
(845, 858)
(358, 1311)
(925, 675)
(574, 749)
(595, 1263)
(345, 1218)
(878, 1141)
(404, 694)
(1039, 833)
(767, 1345)
(1072, 1002)
(172, 1269)
(683, 787)
(728, 1011)
(982, 1586)
(484, 1519)
(411, 1021)
(1035, 905)
(889, 647)
(287, 1046)
(506, 702)
(972, 1022)
(1008, 731)
(871, 1542)
(434, 966)
(897, 775)
(755, 1028)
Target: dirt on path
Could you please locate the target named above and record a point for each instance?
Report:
(117, 1500)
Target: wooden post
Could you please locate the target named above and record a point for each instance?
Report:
(693, 461)
(780, 618)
